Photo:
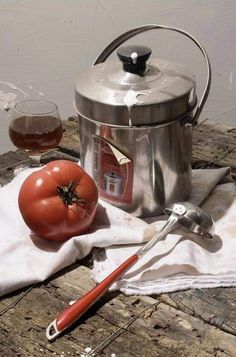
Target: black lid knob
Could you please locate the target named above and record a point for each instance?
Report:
(134, 58)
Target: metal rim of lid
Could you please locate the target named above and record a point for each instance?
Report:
(101, 93)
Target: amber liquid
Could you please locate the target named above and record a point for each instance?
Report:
(36, 133)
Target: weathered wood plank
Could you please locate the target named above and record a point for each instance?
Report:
(8, 162)
(70, 142)
(215, 306)
(162, 330)
(214, 143)
(162, 326)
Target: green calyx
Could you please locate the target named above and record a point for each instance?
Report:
(69, 195)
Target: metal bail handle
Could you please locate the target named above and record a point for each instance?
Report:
(133, 32)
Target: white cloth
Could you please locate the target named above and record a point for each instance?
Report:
(179, 262)
(183, 260)
(26, 258)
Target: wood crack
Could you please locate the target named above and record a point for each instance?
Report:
(214, 321)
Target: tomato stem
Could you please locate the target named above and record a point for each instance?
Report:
(69, 196)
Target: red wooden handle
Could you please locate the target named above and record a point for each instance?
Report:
(78, 308)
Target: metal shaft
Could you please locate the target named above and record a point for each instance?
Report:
(171, 224)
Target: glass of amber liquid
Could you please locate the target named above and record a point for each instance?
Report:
(35, 127)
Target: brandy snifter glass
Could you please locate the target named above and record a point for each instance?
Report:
(35, 127)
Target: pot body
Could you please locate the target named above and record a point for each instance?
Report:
(139, 169)
(136, 119)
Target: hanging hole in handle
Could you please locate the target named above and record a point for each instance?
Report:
(52, 331)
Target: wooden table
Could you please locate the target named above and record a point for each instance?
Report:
(186, 323)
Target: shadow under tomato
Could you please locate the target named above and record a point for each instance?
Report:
(100, 221)
(44, 244)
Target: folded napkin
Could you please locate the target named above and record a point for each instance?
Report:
(180, 259)
(183, 260)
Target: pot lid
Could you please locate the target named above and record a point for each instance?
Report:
(133, 92)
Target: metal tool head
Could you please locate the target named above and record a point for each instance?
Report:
(192, 217)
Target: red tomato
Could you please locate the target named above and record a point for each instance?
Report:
(58, 201)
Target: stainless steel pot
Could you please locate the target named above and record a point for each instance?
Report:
(136, 119)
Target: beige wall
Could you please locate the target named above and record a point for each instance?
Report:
(44, 43)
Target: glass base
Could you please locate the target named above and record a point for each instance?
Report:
(36, 155)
